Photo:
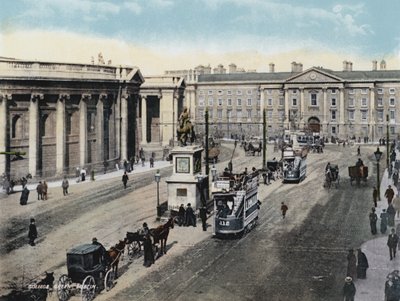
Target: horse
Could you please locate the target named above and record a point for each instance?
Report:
(186, 131)
(160, 234)
(114, 254)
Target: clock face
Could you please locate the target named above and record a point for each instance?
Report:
(182, 165)
(313, 75)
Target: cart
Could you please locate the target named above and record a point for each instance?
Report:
(134, 243)
(88, 273)
(358, 174)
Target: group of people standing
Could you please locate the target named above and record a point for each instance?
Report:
(356, 268)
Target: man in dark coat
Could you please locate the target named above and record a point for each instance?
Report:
(190, 217)
(349, 289)
(384, 220)
(389, 194)
(24, 196)
(362, 265)
(351, 264)
(391, 215)
(181, 215)
(373, 218)
(375, 196)
(203, 216)
(125, 179)
(32, 234)
(148, 251)
(392, 242)
(103, 251)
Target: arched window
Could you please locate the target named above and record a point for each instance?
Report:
(16, 131)
(43, 122)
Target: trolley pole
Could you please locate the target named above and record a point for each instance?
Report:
(264, 165)
(206, 142)
(387, 145)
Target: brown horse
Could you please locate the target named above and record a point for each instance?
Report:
(160, 234)
(114, 254)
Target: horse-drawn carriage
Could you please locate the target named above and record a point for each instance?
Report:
(88, 272)
(358, 174)
(332, 176)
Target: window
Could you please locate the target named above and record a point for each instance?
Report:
(239, 102)
(364, 91)
(229, 101)
(391, 101)
(210, 101)
(380, 130)
(249, 92)
(363, 102)
(333, 91)
(351, 102)
(269, 91)
(269, 115)
(364, 115)
(239, 115)
(380, 115)
(281, 92)
(201, 92)
(380, 91)
(392, 130)
(249, 114)
(380, 102)
(201, 114)
(333, 115)
(239, 92)
(270, 101)
(313, 97)
(182, 192)
(351, 91)
(201, 102)
(351, 115)
(210, 92)
(281, 101)
(294, 91)
(333, 102)
(392, 90)
(220, 92)
(249, 101)
(281, 115)
(16, 127)
(219, 101)
(210, 113)
(294, 102)
(229, 92)
(68, 123)
(392, 115)
(258, 113)
(219, 114)
(333, 130)
(229, 114)
(258, 102)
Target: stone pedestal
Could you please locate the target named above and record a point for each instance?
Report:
(187, 184)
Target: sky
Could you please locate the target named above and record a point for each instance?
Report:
(159, 35)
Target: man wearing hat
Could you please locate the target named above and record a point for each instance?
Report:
(32, 234)
(103, 251)
(190, 217)
(389, 194)
(349, 290)
(392, 242)
(373, 218)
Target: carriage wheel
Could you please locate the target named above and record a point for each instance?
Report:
(88, 289)
(64, 287)
(133, 248)
(109, 280)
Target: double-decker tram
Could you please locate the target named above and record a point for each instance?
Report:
(236, 203)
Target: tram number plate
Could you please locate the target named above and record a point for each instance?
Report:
(224, 223)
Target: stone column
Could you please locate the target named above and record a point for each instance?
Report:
(3, 130)
(144, 119)
(124, 127)
(60, 134)
(83, 129)
(287, 122)
(117, 129)
(100, 127)
(341, 106)
(325, 110)
(302, 107)
(371, 115)
(34, 132)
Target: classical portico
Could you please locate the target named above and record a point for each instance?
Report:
(66, 116)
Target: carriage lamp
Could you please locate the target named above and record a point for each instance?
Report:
(378, 156)
(213, 172)
(157, 178)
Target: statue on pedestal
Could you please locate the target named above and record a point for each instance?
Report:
(186, 129)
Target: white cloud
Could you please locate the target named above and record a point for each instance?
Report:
(133, 6)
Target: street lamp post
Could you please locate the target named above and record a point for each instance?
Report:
(378, 155)
(387, 145)
(157, 178)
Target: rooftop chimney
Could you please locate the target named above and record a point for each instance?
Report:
(345, 66)
(383, 65)
(374, 65)
(271, 67)
(294, 64)
(299, 67)
(350, 68)
(232, 68)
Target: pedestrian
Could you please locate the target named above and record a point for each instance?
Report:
(181, 215)
(32, 234)
(375, 196)
(373, 218)
(389, 194)
(284, 208)
(392, 287)
(384, 218)
(83, 174)
(395, 177)
(393, 240)
(77, 174)
(126, 166)
(143, 159)
(362, 265)
(190, 217)
(349, 289)
(203, 216)
(23, 200)
(65, 185)
(39, 190)
(396, 205)
(145, 230)
(391, 212)
(148, 251)
(358, 151)
(151, 162)
(351, 264)
(45, 188)
(125, 179)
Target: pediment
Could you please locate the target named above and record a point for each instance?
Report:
(314, 75)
